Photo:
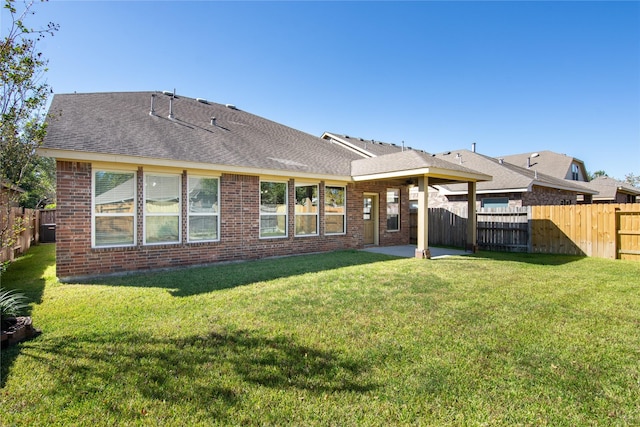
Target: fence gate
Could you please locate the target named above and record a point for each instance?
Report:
(627, 234)
(503, 229)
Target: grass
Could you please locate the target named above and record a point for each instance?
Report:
(348, 338)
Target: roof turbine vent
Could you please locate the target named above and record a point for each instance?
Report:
(152, 112)
(170, 116)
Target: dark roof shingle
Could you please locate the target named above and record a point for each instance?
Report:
(121, 124)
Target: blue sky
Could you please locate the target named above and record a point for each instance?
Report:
(513, 77)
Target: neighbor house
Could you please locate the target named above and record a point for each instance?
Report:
(613, 191)
(150, 180)
(512, 185)
(550, 163)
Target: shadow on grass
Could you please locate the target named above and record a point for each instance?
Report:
(212, 372)
(536, 259)
(25, 275)
(198, 280)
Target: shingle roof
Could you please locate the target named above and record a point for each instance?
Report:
(121, 124)
(548, 162)
(608, 187)
(406, 160)
(506, 176)
(374, 148)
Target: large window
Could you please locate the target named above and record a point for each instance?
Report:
(203, 209)
(114, 208)
(162, 208)
(495, 202)
(575, 173)
(393, 209)
(334, 210)
(273, 209)
(306, 210)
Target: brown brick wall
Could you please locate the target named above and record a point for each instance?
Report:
(548, 196)
(239, 227)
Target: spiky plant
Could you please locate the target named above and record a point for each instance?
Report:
(11, 304)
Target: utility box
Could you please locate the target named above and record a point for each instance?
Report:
(47, 233)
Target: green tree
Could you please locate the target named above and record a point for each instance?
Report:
(596, 174)
(632, 179)
(22, 107)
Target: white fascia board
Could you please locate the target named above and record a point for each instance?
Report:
(81, 156)
(453, 174)
(446, 192)
(430, 172)
(349, 146)
(580, 190)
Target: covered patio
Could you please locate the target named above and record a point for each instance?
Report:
(421, 169)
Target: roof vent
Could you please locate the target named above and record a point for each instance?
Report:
(213, 121)
(501, 161)
(204, 101)
(153, 110)
(346, 136)
(168, 93)
(170, 116)
(231, 106)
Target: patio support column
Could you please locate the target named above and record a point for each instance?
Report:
(422, 250)
(472, 224)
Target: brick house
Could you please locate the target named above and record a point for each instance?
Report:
(150, 180)
(613, 191)
(512, 185)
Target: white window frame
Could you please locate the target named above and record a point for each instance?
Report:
(389, 215)
(200, 214)
(316, 214)
(95, 215)
(343, 215)
(146, 215)
(285, 214)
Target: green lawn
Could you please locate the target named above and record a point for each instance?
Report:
(348, 338)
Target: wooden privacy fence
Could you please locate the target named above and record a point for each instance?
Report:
(15, 245)
(597, 230)
(32, 223)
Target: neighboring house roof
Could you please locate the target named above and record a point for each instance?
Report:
(161, 129)
(548, 162)
(120, 124)
(506, 176)
(609, 187)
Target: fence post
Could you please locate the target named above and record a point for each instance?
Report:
(529, 230)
